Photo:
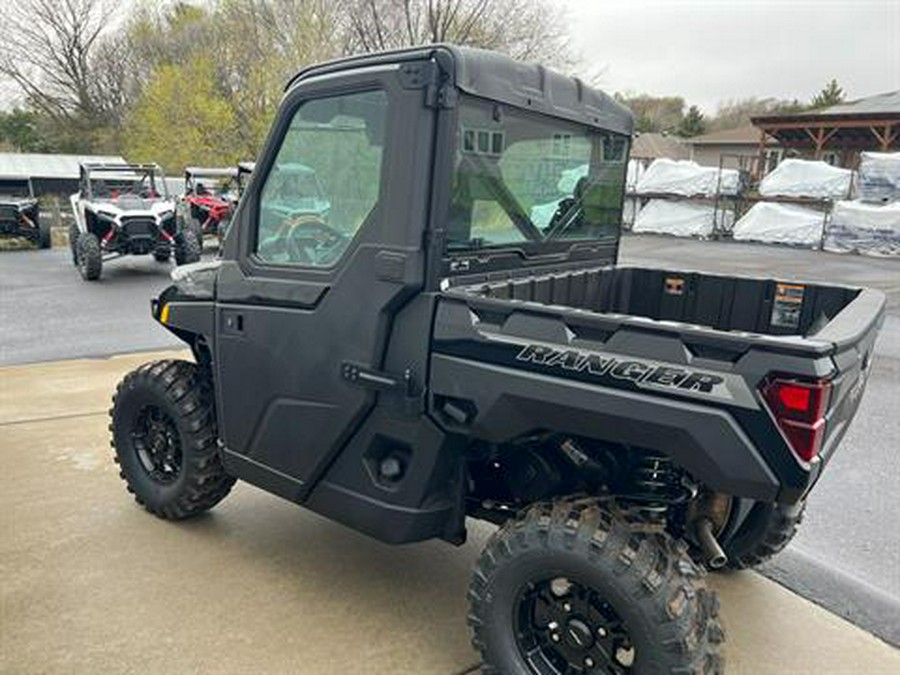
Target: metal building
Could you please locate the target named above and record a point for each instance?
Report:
(50, 174)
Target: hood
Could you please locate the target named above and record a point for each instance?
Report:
(196, 280)
(134, 206)
(18, 202)
(210, 200)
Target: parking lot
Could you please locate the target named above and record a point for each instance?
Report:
(94, 584)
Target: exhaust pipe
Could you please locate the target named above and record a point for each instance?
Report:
(712, 552)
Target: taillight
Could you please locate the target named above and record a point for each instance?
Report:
(799, 408)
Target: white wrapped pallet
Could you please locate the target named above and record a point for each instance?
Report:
(802, 178)
(680, 219)
(780, 224)
(864, 228)
(686, 178)
(879, 176)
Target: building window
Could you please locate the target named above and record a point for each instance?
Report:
(773, 157)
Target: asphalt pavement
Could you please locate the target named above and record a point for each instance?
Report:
(47, 312)
(847, 553)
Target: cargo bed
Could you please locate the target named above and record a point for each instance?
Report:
(739, 307)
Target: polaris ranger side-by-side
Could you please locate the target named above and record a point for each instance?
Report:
(125, 209)
(19, 212)
(434, 350)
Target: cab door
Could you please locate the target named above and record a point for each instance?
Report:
(327, 249)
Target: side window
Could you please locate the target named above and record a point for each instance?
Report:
(325, 181)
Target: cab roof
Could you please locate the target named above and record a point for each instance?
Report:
(211, 171)
(500, 78)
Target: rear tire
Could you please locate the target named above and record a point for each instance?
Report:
(165, 439)
(767, 530)
(195, 225)
(187, 248)
(45, 236)
(634, 598)
(90, 257)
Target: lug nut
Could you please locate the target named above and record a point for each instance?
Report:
(601, 631)
(567, 607)
(554, 637)
(589, 662)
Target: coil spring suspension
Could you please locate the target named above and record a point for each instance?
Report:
(658, 483)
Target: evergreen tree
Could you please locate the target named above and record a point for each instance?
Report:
(831, 95)
(692, 124)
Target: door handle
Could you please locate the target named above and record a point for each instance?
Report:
(232, 322)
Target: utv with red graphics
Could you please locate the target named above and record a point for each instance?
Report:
(209, 198)
(438, 348)
(125, 209)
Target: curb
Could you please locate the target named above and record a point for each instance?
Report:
(837, 591)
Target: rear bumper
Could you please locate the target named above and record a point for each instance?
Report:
(16, 227)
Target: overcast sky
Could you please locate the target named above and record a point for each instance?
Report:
(712, 50)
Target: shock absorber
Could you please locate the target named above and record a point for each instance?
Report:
(657, 483)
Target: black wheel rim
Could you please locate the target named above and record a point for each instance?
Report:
(563, 627)
(156, 444)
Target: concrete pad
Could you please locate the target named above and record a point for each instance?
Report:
(92, 583)
(65, 388)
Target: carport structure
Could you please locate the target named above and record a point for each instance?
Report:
(838, 133)
(50, 174)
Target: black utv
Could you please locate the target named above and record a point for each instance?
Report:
(19, 212)
(457, 340)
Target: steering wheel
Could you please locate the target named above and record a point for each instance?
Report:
(303, 239)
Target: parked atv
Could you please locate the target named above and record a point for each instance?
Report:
(422, 351)
(125, 209)
(19, 212)
(210, 195)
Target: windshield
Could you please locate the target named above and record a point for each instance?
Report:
(524, 177)
(214, 186)
(115, 184)
(19, 189)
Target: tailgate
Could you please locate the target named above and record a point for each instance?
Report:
(852, 333)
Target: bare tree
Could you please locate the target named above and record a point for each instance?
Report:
(47, 52)
(524, 29)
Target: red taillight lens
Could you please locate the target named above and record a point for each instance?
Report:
(793, 397)
(799, 408)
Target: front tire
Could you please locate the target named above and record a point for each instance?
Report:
(573, 588)
(187, 249)
(89, 256)
(74, 233)
(165, 439)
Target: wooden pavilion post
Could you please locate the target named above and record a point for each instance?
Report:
(887, 138)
